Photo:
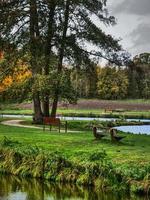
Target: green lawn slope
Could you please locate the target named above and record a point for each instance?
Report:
(77, 157)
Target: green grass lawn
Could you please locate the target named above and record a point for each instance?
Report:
(78, 145)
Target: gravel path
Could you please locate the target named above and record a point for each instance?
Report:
(17, 123)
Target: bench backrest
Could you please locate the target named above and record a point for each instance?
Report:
(108, 109)
(51, 121)
(95, 132)
(112, 133)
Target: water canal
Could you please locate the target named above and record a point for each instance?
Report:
(14, 188)
(77, 118)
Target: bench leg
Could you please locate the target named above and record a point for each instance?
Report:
(66, 127)
(59, 127)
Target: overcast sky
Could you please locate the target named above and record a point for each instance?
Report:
(133, 24)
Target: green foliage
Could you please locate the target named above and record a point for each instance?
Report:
(112, 83)
(98, 156)
(136, 173)
(84, 81)
(17, 92)
(7, 142)
(67, 91)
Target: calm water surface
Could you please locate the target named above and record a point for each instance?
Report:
(14, 188)
(79, 118)
(144, 129)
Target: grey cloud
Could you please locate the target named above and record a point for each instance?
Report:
(140, 37)
(136, 7)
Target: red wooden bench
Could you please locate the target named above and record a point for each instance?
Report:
(52, 121)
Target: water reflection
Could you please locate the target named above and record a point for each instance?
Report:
(14, 188)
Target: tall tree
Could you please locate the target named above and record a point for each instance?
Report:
(48, 50)
(19, 26)
(28, 26)
(44, 28)
(61, 56)
(34, 50)
(78, 29)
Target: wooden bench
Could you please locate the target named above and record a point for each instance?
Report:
(98, 134)
(118, 110)
(52, 121)
(109, 110)
(114, 136)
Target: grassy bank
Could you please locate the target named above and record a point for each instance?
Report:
(77, 158)
(84, 113)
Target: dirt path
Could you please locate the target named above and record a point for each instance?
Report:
(17, 123)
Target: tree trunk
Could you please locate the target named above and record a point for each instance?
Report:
(38, 117)
(45, 105)
(60, 62)
(34, 50)
(54, 105)
(48, 49)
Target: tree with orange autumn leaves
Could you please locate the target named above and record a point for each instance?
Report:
(19, 75)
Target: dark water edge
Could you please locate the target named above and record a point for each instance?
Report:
(16, 188)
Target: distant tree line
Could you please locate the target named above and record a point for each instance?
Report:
(110, 82)
(113, 82)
